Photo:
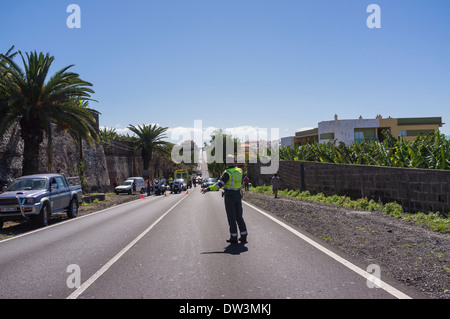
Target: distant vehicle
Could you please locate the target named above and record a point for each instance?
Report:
(208, 182)
(177, 186)
(127, 186)
(185, 185)
(140, 184)
(159, 187)
(39, 197)
(183, 174)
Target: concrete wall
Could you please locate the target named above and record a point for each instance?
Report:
(344, 129)
(287, 141)
(415, 189)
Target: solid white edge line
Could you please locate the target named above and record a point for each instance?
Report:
(65, 221)
(101, 271)
(383, 285)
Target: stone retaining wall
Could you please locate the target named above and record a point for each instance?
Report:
(415, 189)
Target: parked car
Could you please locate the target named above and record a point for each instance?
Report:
(127, 186)
(39, 197)
(208, 182)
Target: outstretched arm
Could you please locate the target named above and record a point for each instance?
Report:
(225, 177)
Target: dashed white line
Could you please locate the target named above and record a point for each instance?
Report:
(101, 271)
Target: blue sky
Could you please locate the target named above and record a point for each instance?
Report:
(285, 64)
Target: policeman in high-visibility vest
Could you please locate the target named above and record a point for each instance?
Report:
(171, 184)
(231, 181)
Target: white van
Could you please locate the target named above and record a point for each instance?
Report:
(127, 186)
(140, 184)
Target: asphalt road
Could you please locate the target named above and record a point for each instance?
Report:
(174, 247)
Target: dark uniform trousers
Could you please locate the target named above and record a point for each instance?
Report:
(233, 207)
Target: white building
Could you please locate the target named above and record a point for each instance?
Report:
(357, 130)
(348, 131)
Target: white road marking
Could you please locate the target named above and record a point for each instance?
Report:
(101, 271)
(383, 285)
(65, 222)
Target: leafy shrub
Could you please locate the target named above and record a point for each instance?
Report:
(431, 151)
(393, 209)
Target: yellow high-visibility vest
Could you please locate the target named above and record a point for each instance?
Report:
(234, 182)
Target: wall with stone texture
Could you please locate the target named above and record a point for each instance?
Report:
(65, 156)
(123, 162)
(415, 189)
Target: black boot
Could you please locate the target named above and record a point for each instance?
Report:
(243, 239)
(233, 240)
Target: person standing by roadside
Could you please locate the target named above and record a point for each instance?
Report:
(231, 181)
(171, 184)
(149, 187)
(246, 181)
(275, 182)
(115, 183)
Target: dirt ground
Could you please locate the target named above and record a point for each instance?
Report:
(409, 253)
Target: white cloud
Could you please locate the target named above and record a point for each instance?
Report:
(123, 131)
(201, 134)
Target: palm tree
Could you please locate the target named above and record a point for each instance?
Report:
(27, 98)
(3, 61)
(150, 138)
(108, 136)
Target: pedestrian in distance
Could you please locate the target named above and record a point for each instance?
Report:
(275, 182)
(149, 187)
(246, 181)
(231, 181)
(115, 183)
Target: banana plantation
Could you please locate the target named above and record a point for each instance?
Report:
(429, 152)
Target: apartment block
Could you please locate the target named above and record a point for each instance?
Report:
(357, 130)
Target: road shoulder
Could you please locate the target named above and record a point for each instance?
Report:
(415, 256)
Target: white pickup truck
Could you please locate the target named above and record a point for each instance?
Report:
(39, 196)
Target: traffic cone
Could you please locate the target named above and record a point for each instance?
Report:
(165, 194)
(142, 197)
(187, 192)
